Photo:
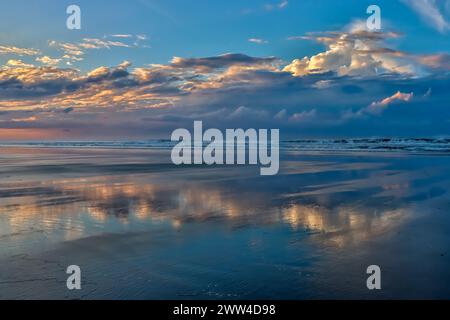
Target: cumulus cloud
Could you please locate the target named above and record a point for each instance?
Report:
(19, 81)
(333, 91)
(354, 52)
(187, 81)
(144, 87)
(99, 103)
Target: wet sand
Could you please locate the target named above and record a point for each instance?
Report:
(142, 228)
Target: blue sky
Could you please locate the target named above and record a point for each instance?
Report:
(205, 27)
(119, 69)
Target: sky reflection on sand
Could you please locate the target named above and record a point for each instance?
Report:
(321, 213)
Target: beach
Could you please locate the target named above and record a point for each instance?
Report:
(140, 227)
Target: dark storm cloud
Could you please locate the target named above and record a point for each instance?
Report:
(222, 61)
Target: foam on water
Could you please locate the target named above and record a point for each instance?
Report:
(441, 145)
(372, 144)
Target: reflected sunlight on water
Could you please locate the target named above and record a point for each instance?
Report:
(318, 211)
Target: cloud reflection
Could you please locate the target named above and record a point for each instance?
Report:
(78, 205)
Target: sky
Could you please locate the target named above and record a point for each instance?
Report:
(139, 69)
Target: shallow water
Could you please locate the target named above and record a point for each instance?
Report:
(141, 228)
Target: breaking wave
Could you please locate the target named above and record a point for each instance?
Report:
(355, 144)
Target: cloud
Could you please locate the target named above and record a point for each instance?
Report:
(258, 41)
(141, 37)
(274, 5)
(354, 52)
(283, 4)
(19, 81)
(432, 12)
(398, 96)
(377, 107)
(78, 49)
(244, 112)
(73, 52)
(18, 63)
(333, 92)
(29, 119)
(94, 104)
(437, 62)
(222, 61)
(280, 5)
(303, 116)
(18, 51)
(121, 35)
(188, 81)
(27, 87)
(321, 84)
(48, 61)
(92, 43)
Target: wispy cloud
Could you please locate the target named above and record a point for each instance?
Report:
(92, 43)
(121, 35)
(18, 51)
(439, 61)
(378, 107)
(273, 6)
(137, 39)
(73, 52)
(258, 41)
(283, 4)
(432, 12)
(280, 5)
(28, 119)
